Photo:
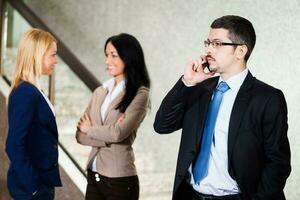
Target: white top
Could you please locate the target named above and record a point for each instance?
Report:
(37, 84)
(113, 92)
(218, 182)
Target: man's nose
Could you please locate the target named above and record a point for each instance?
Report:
(208, 49)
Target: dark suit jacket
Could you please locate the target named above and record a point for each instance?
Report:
(258, 147)
(32, 140)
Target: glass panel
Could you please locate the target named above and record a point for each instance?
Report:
(14, 27)
(71, 99)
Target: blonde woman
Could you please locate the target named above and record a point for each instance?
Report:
(32, 139)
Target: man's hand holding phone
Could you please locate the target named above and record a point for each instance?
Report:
(195, 73)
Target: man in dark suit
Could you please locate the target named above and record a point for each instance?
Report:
(234, 141)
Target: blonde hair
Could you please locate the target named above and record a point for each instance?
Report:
(32, 48)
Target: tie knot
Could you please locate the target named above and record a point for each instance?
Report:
(223, 87)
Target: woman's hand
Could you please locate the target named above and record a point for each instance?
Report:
(121, 118)
(84, 124)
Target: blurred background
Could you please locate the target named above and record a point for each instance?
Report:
(171, 34)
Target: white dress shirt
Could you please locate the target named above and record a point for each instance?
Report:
(37, 84)
(111, 95)
(218, 182)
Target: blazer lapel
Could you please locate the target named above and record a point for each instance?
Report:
(96, 114)
(47, 112)
(113, 104)
(239, 107)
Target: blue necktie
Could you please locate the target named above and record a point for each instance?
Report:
(201, 165)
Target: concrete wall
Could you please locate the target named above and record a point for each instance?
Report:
(172, 33)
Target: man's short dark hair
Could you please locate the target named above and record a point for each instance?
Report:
(240, 30)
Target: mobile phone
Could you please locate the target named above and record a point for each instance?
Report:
(206, 65)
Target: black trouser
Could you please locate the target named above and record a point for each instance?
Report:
(104, 188)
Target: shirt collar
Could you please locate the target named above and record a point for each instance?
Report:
(236, 81)
(109, 84)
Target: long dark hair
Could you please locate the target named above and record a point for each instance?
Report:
(136, 74)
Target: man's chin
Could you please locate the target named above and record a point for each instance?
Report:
(213, 69)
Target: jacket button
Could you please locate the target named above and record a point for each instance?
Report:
(97, 177)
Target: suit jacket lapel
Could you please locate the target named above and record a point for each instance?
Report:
(98, 102)
(47, 111)
(239, 107)
(114, 104)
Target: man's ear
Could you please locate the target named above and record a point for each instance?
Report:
(241, 51)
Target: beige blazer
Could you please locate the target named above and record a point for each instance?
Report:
(111, 140)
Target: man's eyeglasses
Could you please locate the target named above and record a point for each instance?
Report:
(217, 43)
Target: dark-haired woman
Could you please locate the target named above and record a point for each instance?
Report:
(111, 120)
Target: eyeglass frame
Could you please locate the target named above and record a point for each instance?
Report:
(207, 43)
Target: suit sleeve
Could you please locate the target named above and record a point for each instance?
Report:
(21, 112)
(169, 117)
(277, 150)
(119, 131)
(82, 138)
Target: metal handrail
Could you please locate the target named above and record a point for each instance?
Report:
(6, 79)
(64, 53)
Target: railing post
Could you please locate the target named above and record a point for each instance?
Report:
(2, 9)
(52, 88)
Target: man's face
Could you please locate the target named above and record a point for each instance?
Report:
(221, 59)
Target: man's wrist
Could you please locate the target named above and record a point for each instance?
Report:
(187, 83)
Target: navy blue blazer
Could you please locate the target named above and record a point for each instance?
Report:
(32, 141)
